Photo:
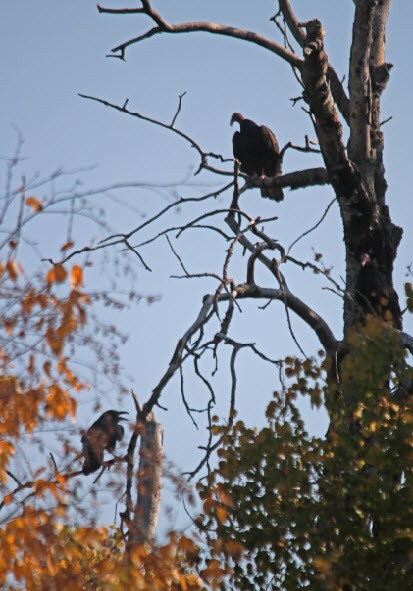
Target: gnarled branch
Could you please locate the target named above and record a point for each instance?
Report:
(162, 26)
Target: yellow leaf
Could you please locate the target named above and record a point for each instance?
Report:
(34, 203)
(76, 276)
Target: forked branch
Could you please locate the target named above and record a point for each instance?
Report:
(162, 26)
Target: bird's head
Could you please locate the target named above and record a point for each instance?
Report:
(365, 259)
(236, 118)
(114, 416)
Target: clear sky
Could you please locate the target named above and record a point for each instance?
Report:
(53, 50)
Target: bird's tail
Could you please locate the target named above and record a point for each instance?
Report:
(275, 193)
(91, 464)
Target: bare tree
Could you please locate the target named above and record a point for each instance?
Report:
(354, 171)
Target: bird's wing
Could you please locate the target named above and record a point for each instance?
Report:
(116, 434)
(120, 432)
(237, 146)
(94, 442)
(269, 140)
(92, 452)
(270, 151)
(244, 152)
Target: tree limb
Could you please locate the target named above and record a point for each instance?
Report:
(310, 317)
(149, 483)
(295, 180)
(291, 21)
(318, 95)
(360, 83)
(207, 27)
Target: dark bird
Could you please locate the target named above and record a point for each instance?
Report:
(374, 292)
(256, 147)
(102, 435)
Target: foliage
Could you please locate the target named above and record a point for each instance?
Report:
(41, 554)
(329, 514)
(283, 509)
(37, 550)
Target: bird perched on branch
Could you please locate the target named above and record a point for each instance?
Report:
(256, 147)
(102, 435)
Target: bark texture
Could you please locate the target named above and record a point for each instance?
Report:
(357, 173)
(149, 479)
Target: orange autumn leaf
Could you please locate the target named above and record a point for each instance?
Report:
(31, 366)
(28, 302)
(76, 276)
(11, 268)
(7, 499)
(225, 498)
(209, 504)
(34, 203)
(46, 368)
(9, 325)
(234, 548)
(221, 514)
(187, 545)
(54, 340)
(61, 366)
(58, 403)
(67, 246)
(57, 274)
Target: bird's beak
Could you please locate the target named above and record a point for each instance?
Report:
(123, 412)
(232, 121)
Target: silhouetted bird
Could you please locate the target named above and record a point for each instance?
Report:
(256, 147)
(102, 435)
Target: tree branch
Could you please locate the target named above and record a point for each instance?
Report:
(149, 483)
(295, 180)
(318, 95)
(340, 97)
(378, 47)
(291, 21)
(360, 83)
(310, 317)
(207, 27)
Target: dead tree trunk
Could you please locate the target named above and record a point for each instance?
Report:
(149, 484)
(357, 173)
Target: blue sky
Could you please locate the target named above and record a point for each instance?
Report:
(53, 50)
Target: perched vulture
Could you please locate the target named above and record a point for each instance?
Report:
(256, 148)
(374, 293)
(102, 435)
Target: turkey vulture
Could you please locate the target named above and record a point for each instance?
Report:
(102, 435)
(256, 148)
(374, 292)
